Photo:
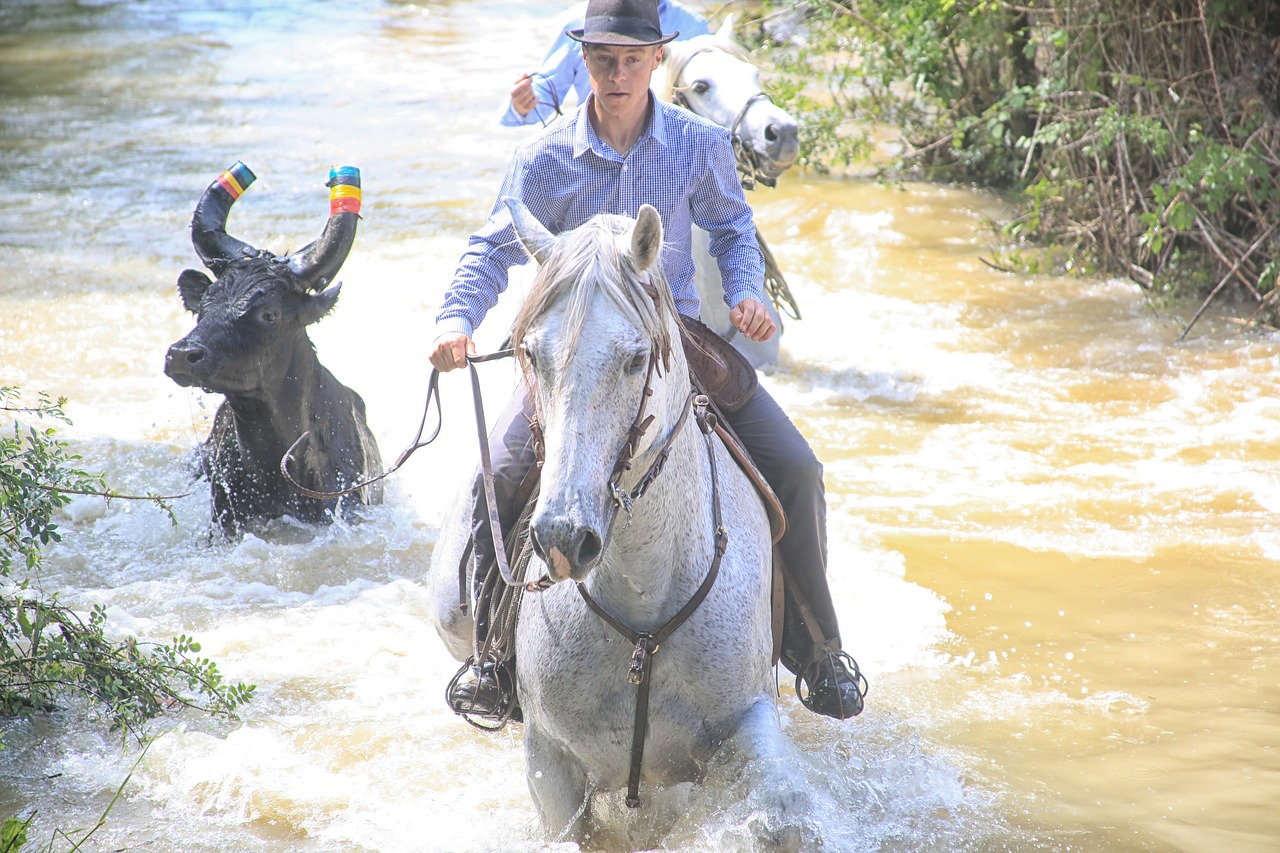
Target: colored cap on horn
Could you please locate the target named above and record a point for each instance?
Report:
(208, 226)
(320, 261)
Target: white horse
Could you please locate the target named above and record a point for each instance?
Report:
(713, 76)
(598, 340)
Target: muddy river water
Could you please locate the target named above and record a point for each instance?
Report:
(1053, 526)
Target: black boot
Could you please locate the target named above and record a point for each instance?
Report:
(487, 692)
(832, 686)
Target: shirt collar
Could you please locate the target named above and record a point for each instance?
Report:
(585, 138)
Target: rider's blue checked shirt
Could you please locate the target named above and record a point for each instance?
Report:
(682, 164)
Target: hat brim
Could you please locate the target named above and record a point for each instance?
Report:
(617, 39)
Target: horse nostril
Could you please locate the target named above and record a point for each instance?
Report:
(589, 548)
(537, 544)
(771, 133)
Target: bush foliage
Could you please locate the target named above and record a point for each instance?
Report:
(1142, 137)
(49, 650)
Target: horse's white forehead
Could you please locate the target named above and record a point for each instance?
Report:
(606, 331)
(722, 67)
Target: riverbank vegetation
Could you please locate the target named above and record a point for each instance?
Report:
(51, 651)
(1136, 137)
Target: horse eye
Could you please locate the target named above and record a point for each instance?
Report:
(700, 87)
(527, 355)
(637, 362)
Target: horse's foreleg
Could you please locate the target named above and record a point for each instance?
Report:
(558, 784)
(771, 766)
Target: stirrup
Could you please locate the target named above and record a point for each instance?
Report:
(489, 695)
(819, 687)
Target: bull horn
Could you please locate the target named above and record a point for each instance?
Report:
(320, 261)
(208, 227)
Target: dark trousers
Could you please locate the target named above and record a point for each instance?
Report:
(784, 458)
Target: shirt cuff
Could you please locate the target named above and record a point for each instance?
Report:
(737, 294)
(453, 325)
(511, 118)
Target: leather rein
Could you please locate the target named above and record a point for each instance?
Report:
(433, 395)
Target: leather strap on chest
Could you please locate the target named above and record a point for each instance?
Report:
(647, 643)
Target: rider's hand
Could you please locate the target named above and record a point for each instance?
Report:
(523, 99)
(451, 351)
(751, 317)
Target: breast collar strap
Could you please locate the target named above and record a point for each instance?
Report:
(647, 643)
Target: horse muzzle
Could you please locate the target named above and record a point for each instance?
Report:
(570, 550)
(774, 137)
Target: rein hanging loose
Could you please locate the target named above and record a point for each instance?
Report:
(433, 393)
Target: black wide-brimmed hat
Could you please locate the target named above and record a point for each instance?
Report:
(628, 23)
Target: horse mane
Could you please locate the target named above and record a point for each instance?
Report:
(589, 259)
(675, 54)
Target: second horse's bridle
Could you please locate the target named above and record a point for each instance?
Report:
(748, 158)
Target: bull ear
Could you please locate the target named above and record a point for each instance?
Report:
(321, 304)
(646, 239)
(192, 285)
(535, 238)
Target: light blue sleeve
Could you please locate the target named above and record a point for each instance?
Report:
(675, 17)
(560, 73)
(718, 206)
(481, 276)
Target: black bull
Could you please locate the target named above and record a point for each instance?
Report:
(250, 344)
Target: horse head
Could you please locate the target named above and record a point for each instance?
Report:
(713, 76)
(596, 341)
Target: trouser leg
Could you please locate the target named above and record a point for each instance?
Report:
(793, 471)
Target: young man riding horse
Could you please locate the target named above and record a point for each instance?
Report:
(620, 149)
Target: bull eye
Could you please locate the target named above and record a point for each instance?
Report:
(269, 316)
(700, 87)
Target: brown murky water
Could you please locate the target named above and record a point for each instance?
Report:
(1052, 526)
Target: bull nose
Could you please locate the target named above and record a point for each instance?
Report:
(183, 357)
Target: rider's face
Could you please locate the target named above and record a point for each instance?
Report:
(620, 75)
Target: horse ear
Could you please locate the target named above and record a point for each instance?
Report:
(535, 238)
(646, 239)
(725, 33)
